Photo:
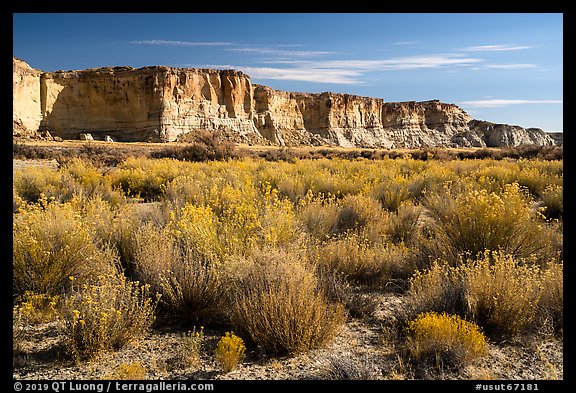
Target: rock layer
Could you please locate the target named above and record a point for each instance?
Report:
(165, 103)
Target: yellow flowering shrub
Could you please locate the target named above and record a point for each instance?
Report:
(50, 243)
(361, 262)
(182, 261)
(500, 293)
(107, 315)
(444, 340)
(127, 371)
(229, 352)
(37, 308)
(476, 220)
(190, 347)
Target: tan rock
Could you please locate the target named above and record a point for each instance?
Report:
(160, 103)
(26, 98)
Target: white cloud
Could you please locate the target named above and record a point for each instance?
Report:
(279, 52)
(304, 74)
(178, 43)
(392, 64)
(496, 48)
(508, 66)
(405, 43)
(346, 71)
(496, 103)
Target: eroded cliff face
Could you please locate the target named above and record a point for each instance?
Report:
(349, 120)
(208, 99)
(164, 103)
(421, 124)
(151, 103)
(326, 118)
(119, 101)
(496, 135)
(26, 111)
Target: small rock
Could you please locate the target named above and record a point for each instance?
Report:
(86, 137)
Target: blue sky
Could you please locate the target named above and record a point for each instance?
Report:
(504, 68)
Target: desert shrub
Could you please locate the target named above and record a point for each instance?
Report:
(326, 217)
(35, 308)
(443, 340)
(338, 290)
(276, 302)
(440, 288)
(348, 368)
(532, 178)
(479, 220)
(238, 211)
(392, 192)
(23, 150)
(551, 304)
(106, 315)
(553, 201)
(503, 294)
(402, 227)
(495, 290)
(30, 184)
(229, 352)
(355, 212)
(51, 243)
(279, 226)
(181, 262)
(206, 150)
(318, 216)
(190, 347)
(127, 371)
(552, 153)
(360, 262)
(185, 189)
(76, 178)
(144, 177)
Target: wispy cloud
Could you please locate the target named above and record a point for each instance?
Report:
(402, 63)
(348, 71)
(496, 48)
(304, 74)
(278, 52)
(178, 43)
(512, 66)
(400, 43)
(391, 64)
(495, 103)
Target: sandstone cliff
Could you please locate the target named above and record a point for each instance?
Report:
(495, 135)
(26, 111)
(165, 103)
(150, 103)
(421, 124)
(326, 118)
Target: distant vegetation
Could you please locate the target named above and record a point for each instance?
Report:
(271, 246)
